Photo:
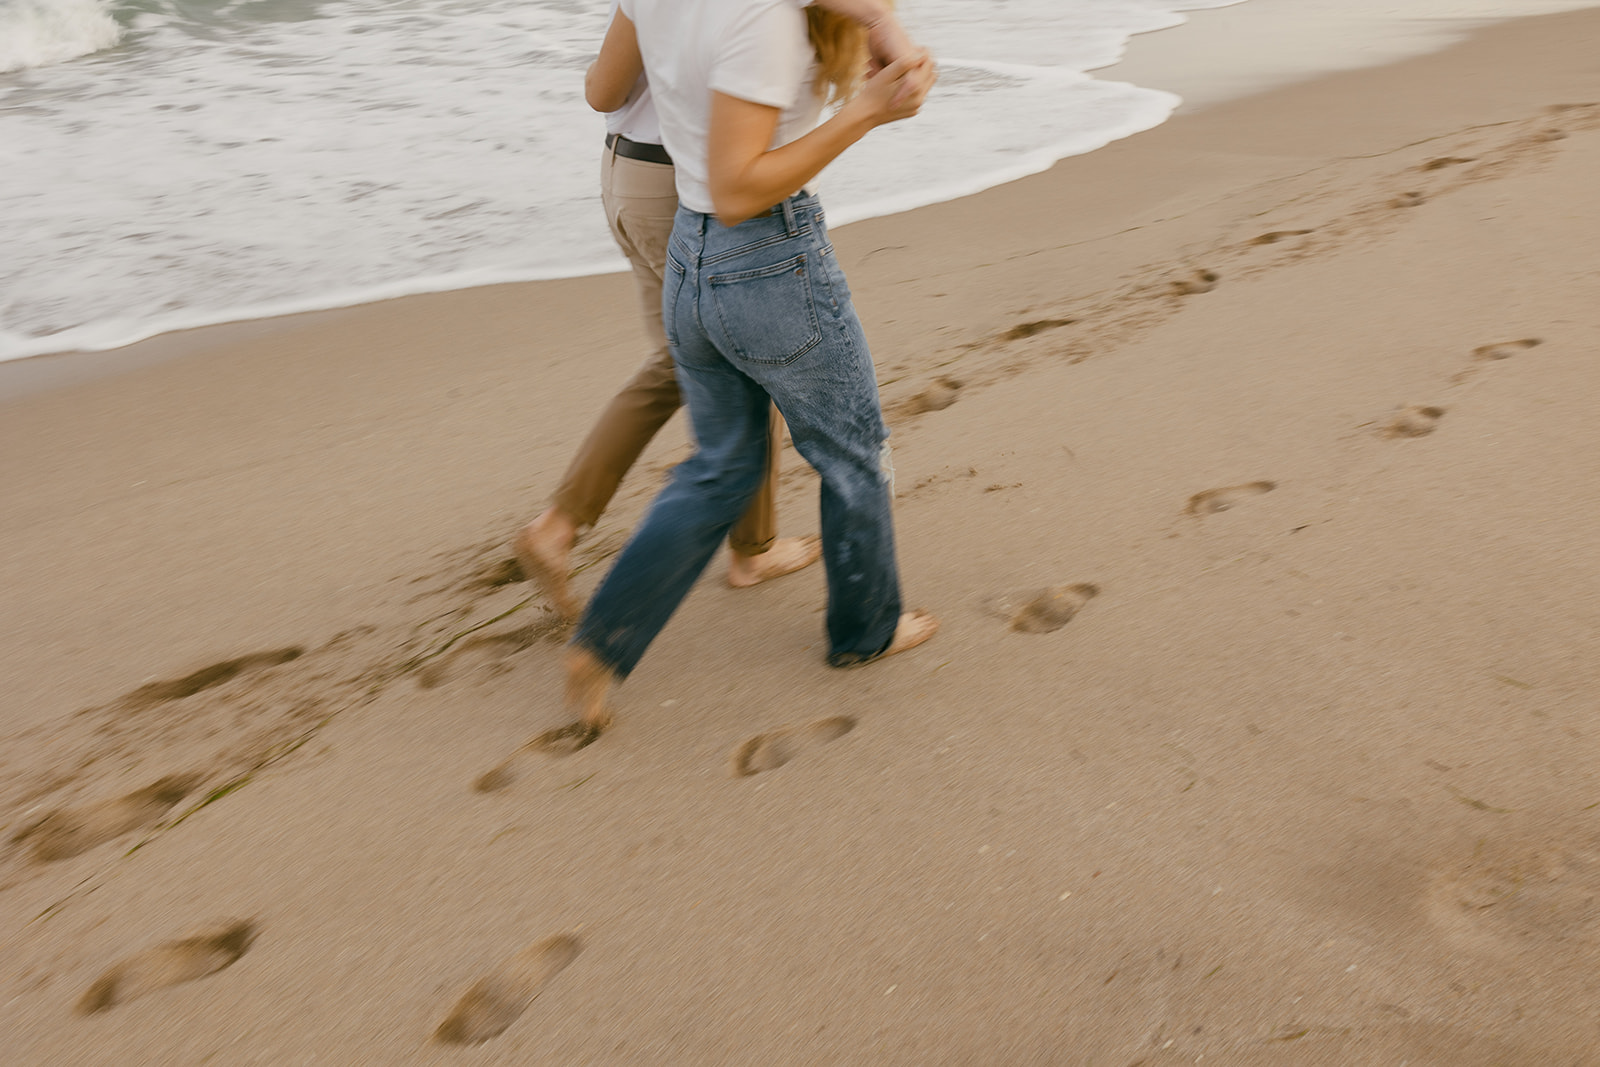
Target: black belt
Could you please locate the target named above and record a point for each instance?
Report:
(644, 153)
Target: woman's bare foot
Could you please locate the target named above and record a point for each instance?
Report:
(588, 682)
(787, 555)
(914, 628)
(542, 548)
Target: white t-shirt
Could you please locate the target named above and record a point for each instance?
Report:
(755, 50)
(636, 120)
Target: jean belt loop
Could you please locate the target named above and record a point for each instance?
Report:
(789, 222)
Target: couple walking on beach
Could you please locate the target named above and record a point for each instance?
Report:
(714, 135)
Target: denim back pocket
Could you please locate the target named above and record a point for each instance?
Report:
(671, 289)
(767, 314)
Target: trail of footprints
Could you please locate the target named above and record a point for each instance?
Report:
(1495, 904)
(1420, 420)
(1477, 156)
(1486, 903)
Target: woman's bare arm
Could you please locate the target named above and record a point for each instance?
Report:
(745, 177)
(612, 76)
(886, 38)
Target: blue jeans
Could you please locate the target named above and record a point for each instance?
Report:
(754, 312)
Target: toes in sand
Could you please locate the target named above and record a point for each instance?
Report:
(914, 628)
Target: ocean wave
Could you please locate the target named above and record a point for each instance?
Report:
(246, 158)
(34, 33)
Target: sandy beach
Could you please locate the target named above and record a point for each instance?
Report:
(1284, 408)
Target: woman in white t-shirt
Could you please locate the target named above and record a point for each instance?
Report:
(756, 309)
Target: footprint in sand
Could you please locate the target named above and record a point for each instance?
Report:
(1041, 611)
(499, 998)
(496, 574)
(1201, 281)
(1279, 235)
(1518, 895)
(488, 653)
(768, 751)
(558, 741)
(206, 951)
(1214, 500)
(1504, 349)
(1027, 329)
(208, 677)
(67, 832)
(1411, 199)
(1413, 420)
(938, 395)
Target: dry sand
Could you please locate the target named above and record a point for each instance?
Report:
(1310, 780)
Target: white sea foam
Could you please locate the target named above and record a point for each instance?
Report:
(255, 157)
(36, 32)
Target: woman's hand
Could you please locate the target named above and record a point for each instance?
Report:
(745, 176)
(896, 92)
(887, 41)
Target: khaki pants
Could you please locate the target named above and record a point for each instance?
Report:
(640, 201)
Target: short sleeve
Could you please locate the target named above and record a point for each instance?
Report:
(765, 54)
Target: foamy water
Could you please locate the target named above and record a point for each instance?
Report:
(173, 163)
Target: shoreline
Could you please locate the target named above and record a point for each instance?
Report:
(1299, 384)
(1162, 59)
(1227, 53)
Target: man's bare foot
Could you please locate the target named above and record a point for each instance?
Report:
(542, 548)
(588, 682)
(787, 555)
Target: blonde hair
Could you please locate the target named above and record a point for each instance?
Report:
(841, 47)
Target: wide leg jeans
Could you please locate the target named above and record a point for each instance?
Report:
(757, 312)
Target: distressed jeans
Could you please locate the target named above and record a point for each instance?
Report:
(757, 312)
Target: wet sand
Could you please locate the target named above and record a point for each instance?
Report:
(1286, 405)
